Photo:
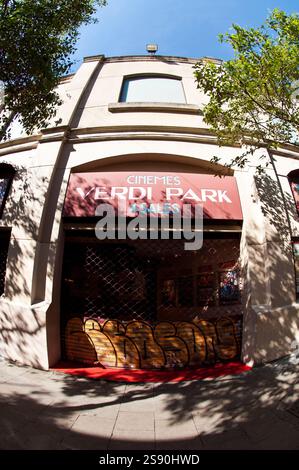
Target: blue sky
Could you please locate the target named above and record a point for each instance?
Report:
(186, 28)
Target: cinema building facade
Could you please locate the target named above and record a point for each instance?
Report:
(131, 129)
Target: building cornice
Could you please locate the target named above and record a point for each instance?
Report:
(59, 133)
(152, 58)
(20, 144)
(169, 133)
(125, 132)
(140, 127)
(94, 58)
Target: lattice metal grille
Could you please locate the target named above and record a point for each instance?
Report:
(150, 303)
(109, 281)
(4, 244)
(149, 280)
(120, 285)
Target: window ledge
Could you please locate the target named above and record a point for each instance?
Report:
(154, 107)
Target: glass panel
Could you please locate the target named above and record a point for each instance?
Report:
(296, 260)
(4, 245)
(3, 188)
(185, 292)
(169, 293)
(152, 89)
(295, 190)
(228, 287)
(205, 289)
(5, 182)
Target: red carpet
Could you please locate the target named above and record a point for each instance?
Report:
(139, 375)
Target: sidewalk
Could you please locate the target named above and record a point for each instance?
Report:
(50, 410)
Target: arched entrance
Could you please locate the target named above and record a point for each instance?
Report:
(149, 303)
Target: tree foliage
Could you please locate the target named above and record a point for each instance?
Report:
(37, 38)
(253, 98)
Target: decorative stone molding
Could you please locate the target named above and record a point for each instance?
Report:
(154, 107)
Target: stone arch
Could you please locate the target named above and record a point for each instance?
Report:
(154, 161)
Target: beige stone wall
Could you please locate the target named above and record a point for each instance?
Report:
(91, 137)
(29, 310)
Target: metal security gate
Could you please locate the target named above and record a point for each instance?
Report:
(112, 282)
(150, 303)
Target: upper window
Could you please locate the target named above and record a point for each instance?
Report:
(157, 89)
(6, 175)
(293, 177)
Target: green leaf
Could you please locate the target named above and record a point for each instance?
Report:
(253, 97)
(37, 39)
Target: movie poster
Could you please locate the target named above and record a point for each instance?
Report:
(229, 287)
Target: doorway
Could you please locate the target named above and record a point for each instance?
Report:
(150, 303)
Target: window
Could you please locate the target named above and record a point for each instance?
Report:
(1, 94)
(296, 262)
(294, 182)
(4, 244)
(152, 89)
(214, 285)
(6, 175)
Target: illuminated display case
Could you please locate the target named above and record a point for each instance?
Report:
(229, 287)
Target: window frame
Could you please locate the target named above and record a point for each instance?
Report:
(7, 172)
(295, 241)
(137, 76)
(293, 178)
(5, 235)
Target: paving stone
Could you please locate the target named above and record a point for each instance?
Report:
(59, 418)
(234, 439)
(171, 404)
(193, 443)
(14, 417)
(134, 405)
(10, 444)
(24, 393)
(132, 440)
(294, 409)
(290, 418)
(169, 430)
(141, 389)
(106, 411)
(74, 442)
(261, 427)
(46, 410)
(128, 421)
(86, 404)
(12, 370)
(93, 426)
(207, 423)
(168, 415)
(229, 444)
(88, 433)
(11, 433)
(280, 438)
(46, 435)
